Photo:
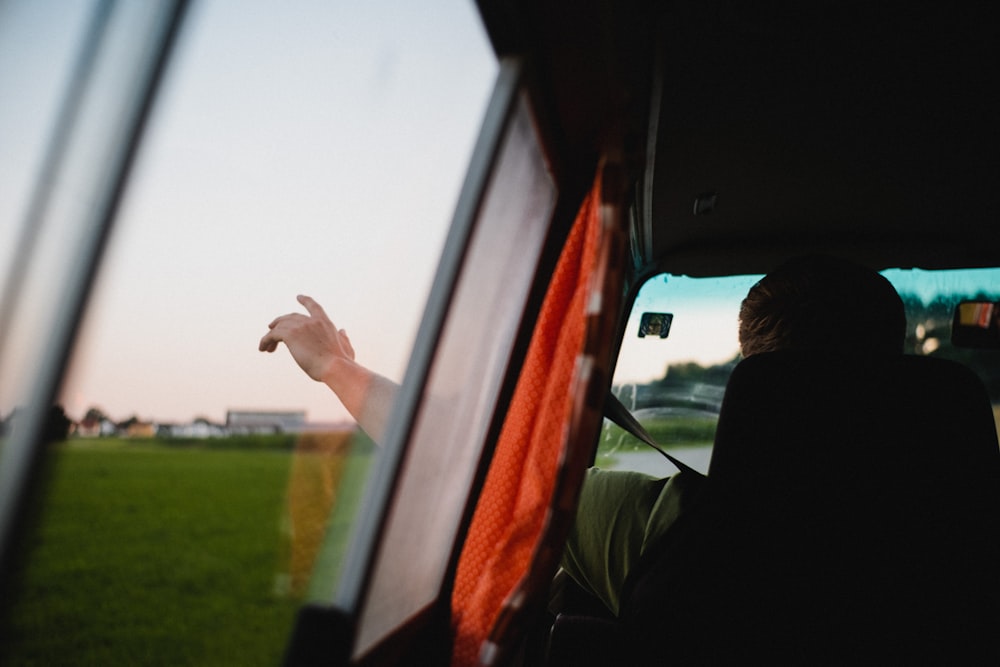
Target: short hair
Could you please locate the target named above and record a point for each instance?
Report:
(825, 304)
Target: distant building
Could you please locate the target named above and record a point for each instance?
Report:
(95, 428)
(199, 428)
(141, 430)
(261, 421)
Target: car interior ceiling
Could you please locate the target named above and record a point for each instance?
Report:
(759, 131)
(860, 129)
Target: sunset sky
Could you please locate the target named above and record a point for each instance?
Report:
(309, 147)
(313, 147)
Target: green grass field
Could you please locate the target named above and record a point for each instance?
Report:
(166, 555)
(672, 433)
(190, 552)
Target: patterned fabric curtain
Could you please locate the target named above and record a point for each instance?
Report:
(518, 491)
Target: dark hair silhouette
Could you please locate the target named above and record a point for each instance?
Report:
(825, 304)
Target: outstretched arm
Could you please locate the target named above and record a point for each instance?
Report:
(326, 355)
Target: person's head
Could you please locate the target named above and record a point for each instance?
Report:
(824, 304)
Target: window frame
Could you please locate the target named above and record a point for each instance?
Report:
(103, 112)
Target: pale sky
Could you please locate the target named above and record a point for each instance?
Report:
(304, 147)
(704, 327)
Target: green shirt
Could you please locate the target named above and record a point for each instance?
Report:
(621, 513)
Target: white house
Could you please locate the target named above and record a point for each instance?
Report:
(265, 421)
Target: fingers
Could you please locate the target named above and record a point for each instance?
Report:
(281, 318)
(310, 305)
(268, 343)
(275, 335)
(312, 331)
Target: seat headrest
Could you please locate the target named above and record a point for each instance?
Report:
(792, 412)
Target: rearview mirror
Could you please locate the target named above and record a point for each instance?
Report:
(655, 324)
(976, 324)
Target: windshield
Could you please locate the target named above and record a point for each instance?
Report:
(674, 384)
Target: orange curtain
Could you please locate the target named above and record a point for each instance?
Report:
(518, 489)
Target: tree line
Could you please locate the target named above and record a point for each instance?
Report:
(928, 333)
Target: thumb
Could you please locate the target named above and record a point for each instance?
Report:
(346, 343)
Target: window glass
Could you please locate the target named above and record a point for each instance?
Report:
(31, 93)
(674, 385)
(315, 148)
(930, 298)
(471, 357)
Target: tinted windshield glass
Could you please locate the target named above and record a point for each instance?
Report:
(674, 384)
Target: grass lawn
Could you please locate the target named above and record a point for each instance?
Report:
(194, 552)
(670, 433)
(155, 555)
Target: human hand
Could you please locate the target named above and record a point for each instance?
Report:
(313, 341)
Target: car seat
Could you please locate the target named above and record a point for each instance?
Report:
(850, 516)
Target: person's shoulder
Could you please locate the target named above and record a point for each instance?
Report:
(601, 476)
(618, 486)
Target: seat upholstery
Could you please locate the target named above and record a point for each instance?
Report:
(850, 516)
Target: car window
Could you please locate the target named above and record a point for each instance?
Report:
(674, 383)
(310, 149)
(426, 476)
(930, 298)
